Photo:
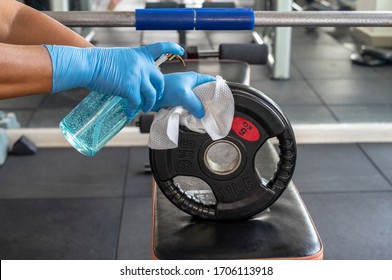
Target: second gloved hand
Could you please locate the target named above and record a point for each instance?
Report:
(126, 72)
(178, 92)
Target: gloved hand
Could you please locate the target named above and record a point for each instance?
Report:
(178, 92)
(126, 72)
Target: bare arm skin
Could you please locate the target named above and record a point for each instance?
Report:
(24, 70)
(25, 66)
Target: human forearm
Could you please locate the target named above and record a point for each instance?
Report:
(24, 70)
(20, 24)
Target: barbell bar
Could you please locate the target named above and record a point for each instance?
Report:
(220, 19)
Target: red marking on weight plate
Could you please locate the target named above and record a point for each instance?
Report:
(245, 129)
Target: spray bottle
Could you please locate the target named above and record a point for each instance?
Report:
(98, 118)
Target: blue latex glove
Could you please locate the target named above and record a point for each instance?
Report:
(178, 92)
(126, 72)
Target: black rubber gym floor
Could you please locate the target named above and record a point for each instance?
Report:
(59, 204)
(348, 191)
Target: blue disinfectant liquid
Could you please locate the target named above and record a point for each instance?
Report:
(96, 120)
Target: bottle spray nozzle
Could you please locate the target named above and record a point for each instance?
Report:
(166, 57)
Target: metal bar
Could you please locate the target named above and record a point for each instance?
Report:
(313, 18)
(262, 18)
(95, 19)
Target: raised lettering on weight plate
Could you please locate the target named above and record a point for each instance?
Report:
(184, 164)
(187, 144)
(185, 154)
(231, 191)
(249, 183)
(234, 190)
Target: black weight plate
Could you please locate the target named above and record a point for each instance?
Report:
(145, 121)
(240, 193)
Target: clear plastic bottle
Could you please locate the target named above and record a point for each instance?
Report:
(98, 118)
